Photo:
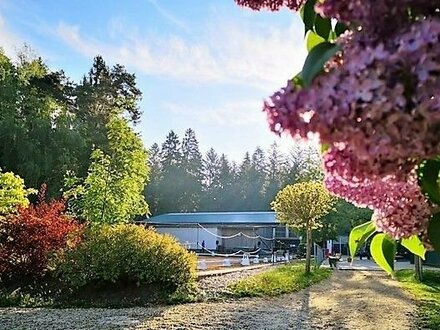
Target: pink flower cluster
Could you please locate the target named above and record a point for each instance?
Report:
(379, 19)
(400, 209)
(272, 5)
(378, 109)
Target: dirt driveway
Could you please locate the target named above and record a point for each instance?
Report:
(349, 300)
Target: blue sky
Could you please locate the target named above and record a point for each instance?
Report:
(204, 64)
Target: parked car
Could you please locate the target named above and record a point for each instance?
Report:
(364, 252)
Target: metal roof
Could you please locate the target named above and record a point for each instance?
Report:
(214, 218)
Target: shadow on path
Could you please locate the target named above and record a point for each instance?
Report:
(348, 300)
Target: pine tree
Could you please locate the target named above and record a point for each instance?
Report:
(211, 180)
(257, 180)
(226, 194)
(192, 172)
(171, 184)
(304, 164)
(152, 190)
(170, 153)
(243, 183)
(275, 168)
(103, 94)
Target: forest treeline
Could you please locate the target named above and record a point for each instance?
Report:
(184, 180)
(50, 125)
(55, 131)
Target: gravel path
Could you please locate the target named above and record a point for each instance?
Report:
(215, 287)
(349, 300)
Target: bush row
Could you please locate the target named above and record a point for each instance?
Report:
(127, 254)
(41, 241)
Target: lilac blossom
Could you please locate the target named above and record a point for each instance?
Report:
(272, 5)
(379, 111)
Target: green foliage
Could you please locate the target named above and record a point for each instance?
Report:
(303, 205)
(301, 250)
(383, 251)
(434, 231)
(340, 28)
(382, 248)
(308, 15)
(171, 174)
(323, 27)
(13, 193)
(312, 39)
(316, 59)
(49, 125)
(428, 175)
(182, 180)
(429, 180)
(427, 294)
(415, 246)
(127, 254)
(319, 40)
(192, 172)
(341, 220)
(112, 192)
(283, 279)
(359, 235)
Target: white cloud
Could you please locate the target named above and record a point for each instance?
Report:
(233, 53)
(166, 14)
(9, 41)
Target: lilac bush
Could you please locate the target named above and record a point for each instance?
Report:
(376, 105)
(271, 4)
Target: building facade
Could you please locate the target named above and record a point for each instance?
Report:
(226, 232)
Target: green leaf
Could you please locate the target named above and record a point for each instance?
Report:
(297, 80)
(340, 28)
(434, 231)
(316, 59)
(428, 173)
(383, 251)
(308, 15)
(414, 245)
(312, 39)
(359, 235)
(323, 26)
(324, 147)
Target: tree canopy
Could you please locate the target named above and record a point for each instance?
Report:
(185, 180)
(112, 190)
(302, 206)
(50, 125)
(13, 193)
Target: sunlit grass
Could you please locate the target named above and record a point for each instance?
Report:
(274, 282)
(427, 294)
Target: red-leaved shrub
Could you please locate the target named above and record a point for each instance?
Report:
(30, 237)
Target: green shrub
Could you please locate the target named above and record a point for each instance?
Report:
(127, 254)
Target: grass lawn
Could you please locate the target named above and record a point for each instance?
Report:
(427, 294)
(282, 279)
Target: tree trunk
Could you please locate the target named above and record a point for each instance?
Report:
(418, 268)
(308, 248)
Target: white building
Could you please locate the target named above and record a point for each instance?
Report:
(226, 231)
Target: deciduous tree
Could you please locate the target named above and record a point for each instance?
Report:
(13, 193)
(112, 192)
(302, 206)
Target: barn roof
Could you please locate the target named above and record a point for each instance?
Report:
(214, 218)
